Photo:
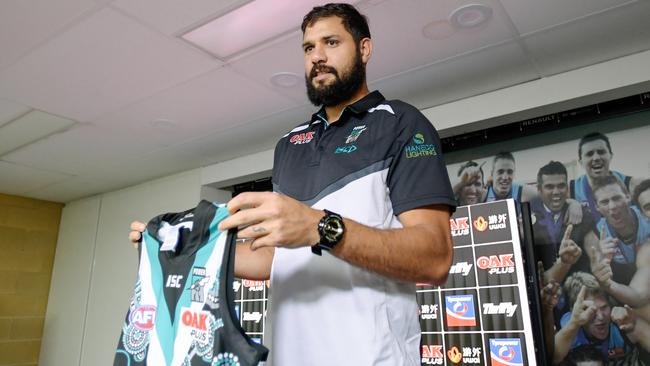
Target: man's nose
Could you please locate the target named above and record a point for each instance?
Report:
(318, 55)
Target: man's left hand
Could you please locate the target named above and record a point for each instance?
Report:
(272, 220)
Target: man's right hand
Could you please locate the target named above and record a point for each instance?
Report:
(137, 228)
(583, 310)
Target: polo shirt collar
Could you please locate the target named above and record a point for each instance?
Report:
(360, 106)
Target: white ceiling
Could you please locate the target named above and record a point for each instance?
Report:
(114, 68)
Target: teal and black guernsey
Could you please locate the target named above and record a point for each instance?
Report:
(182, 311)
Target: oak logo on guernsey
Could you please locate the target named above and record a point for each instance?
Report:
(302, 138)
(506, 352)
(432, 354)
(460, 311)
(418, 148)
(251, 285)
(144, 317)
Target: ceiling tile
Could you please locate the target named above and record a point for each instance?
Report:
(29, 128)
(18, 179)
(26, 23)
(170, 17)
(616, 33)
(532, 15)
(82, 150)
(282, 56)
(487, 70)
(213, 102)
(10, 111)
(403, 46)
(99, 65)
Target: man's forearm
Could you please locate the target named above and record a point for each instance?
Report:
(640, 334)
(253, 265)
(626, 295)
(558, 271)
(564, 340)
(420, 253)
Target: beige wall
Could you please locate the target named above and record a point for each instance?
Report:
(28, 235)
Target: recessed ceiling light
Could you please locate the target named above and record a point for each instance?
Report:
(286, 79)
(438, 29)
(163, 124)
(470, 16)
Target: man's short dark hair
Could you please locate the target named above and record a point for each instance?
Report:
(552, 168)
(594, 136)
(584, 353)
(353, 21)
(640, 188)
(608, 180)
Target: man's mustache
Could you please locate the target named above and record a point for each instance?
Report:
(322, 68)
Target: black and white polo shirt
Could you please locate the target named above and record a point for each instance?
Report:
(380, 159)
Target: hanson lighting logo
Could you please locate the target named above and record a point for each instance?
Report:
(506, 352)
(418, 148)
(460, 311)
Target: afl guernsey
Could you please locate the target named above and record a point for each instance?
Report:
(581, 191)
(182, 310)
(515, 193)
(380, 159)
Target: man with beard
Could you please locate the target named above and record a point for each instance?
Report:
(359, 213)
(595, 155)
(621, 262)
(501, 184)
(592, 321)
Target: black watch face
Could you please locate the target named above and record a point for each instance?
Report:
(333, 230)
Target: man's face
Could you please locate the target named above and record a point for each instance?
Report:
(502, 174)
(644, 203)
(595, 158)
(614, 204)
(472, 193)
(334, 70)
(553, 191)
(598, 327)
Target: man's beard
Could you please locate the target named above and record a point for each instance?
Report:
(339, 91)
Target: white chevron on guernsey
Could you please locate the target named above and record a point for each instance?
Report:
(299, 128)
(384, 107)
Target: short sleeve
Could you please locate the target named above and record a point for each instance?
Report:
(418, 175)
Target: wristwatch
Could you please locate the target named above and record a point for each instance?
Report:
(331, 230)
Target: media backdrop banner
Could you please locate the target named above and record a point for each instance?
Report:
(480, 316)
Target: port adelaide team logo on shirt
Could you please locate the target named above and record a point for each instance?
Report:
(495, 264)
(490, 222)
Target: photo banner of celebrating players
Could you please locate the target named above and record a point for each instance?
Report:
(480, 316)
(589, 196)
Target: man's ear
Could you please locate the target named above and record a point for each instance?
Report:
(365, 48)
